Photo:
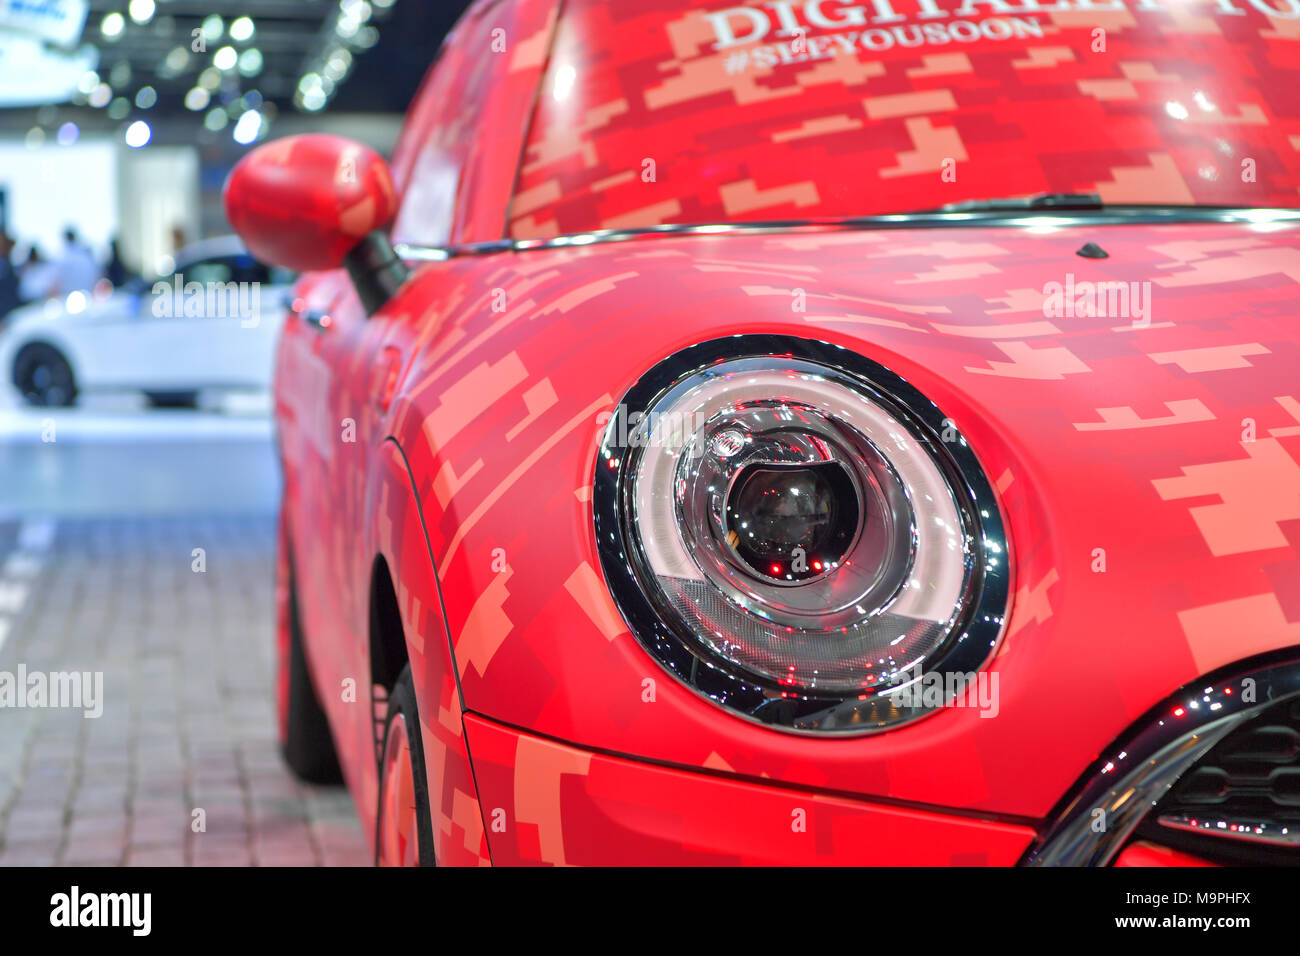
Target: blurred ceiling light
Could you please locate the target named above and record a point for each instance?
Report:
(197, 99)
(313, 100)
(146, 98)
(100, 96)
(250, 62)
(356, 9)
(76, 302)
(225, 58)
(213, 27)
(242, 29)
(112, 24)
(248, 128)
(68, 134)
(35, 138)
(210, 78)
(138, 134)
(119, 109)
(174, 64)
(89, 80)
(216, 119)
(141, 11)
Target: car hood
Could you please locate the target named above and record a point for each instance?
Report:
(1147, 464)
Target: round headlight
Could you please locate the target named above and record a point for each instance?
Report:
(796, 533)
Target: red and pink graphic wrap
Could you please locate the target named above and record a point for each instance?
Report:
(655, 112)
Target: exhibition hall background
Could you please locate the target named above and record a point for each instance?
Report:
(119, 121)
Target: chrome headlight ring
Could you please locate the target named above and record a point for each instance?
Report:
(905, 574)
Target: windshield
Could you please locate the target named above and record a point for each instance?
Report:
(659, 111)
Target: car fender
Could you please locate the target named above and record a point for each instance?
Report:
(395, 531)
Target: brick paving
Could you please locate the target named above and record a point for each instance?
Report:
(187, 720)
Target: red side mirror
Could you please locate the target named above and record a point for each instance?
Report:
(304, 202)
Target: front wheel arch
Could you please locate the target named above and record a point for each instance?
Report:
(388, 651)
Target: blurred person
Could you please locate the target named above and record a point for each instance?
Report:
(36, 278)
(76, 270)
(115, 270)
(9, 298)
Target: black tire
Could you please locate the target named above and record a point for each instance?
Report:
(172, 399)
(44, 377)
(308, 746)
(401, 700)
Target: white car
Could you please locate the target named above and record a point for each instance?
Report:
(211, 323)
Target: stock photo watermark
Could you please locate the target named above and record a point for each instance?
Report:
(933, 689)
(212, 300)
(624, 429)
(75, 908)
(55, 690)
(1113, 300)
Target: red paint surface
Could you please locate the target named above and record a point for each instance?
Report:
(643, 119)
(303, 202)
(569, 807)
(1151, 854)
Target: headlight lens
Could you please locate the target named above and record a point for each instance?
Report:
(792, 523)
(785, 529)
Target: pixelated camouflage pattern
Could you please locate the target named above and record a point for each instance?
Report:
(1181, 97)
(349, 502)
(569, 807)
(1096, 434)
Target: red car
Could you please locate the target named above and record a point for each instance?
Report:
(802, 432)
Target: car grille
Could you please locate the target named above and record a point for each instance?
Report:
(1241, 802)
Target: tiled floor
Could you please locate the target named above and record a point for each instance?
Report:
(181, 767)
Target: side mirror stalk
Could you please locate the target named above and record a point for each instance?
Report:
(376, 270)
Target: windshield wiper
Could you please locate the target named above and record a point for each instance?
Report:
(1049, 201)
